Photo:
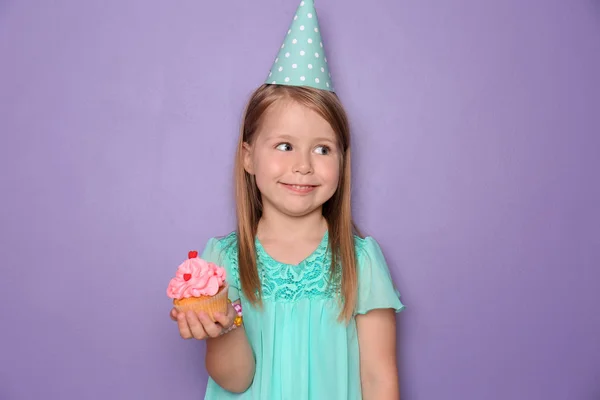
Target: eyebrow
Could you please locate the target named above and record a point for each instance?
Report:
(288, 137)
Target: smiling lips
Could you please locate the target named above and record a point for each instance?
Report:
(302, 189)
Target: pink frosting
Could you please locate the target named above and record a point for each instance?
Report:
(196, 277)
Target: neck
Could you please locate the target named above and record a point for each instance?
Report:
(277, 225)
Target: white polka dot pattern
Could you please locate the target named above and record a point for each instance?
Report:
(301, 59)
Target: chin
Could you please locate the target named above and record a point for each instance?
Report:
(299, 212)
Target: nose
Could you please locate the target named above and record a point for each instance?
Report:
(303, 164)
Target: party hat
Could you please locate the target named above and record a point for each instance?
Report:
(301, 59)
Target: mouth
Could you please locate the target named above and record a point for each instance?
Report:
(299, 188)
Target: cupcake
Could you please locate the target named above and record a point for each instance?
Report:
(199, 285)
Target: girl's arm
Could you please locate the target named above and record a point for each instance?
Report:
(229, 358)
(230, 361)
(377, 343)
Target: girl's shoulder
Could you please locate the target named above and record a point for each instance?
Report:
(227, 242)
(365, 246)
(221, 249)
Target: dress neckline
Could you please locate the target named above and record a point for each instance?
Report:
(318, 250)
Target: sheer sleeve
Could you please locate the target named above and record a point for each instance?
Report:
(375, 286)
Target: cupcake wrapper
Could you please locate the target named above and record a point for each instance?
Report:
(208, 304)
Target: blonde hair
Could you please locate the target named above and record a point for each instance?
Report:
(337, 210)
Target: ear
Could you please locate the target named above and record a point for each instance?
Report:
(247, 154)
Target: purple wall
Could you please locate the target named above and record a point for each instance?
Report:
(477, 153)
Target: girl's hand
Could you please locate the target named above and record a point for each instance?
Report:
(200, 326)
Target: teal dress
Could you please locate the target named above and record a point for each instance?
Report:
(302, 352)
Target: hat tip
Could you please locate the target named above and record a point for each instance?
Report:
(301, 59)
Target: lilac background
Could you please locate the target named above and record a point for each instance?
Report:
(476, 138)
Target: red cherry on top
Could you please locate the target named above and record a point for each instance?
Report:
(187, 277)
(192, 254)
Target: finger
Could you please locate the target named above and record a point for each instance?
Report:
(173, 314)
(229, 318)
(182, 324)
(231, 312)
(198, 331)
(213, 330)
(225, 320)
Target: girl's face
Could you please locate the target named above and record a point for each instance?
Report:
(294, 158)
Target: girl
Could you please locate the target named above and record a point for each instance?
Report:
(318, 301)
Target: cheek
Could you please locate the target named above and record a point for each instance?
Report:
(269, 164)
(330, 168)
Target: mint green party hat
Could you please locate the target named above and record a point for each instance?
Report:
(301, 59)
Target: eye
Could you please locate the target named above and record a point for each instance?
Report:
(323, 150)
(284, 147)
